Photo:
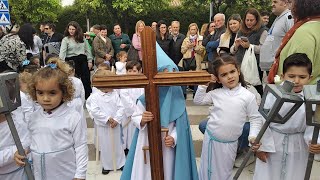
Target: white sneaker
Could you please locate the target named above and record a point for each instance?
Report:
(239, 160)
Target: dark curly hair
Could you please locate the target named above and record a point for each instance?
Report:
(78, 35)
(158, 35)
(302, 9)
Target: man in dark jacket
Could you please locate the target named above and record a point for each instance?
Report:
(120, 41)
(176, 42)
(211, 42)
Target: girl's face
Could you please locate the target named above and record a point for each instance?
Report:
(234, 25)
(48, 93)
(123, 58)
(228, 75)
(163, 29)
(72, 30)
(140, 28)
(193, 30)
(250, 21)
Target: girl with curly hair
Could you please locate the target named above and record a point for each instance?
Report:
(58, 143)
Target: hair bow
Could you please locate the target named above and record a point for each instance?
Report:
(25, 62)
(51, 65)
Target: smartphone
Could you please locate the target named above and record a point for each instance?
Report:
(245, 39)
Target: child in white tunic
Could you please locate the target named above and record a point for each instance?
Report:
(79, 95)
(232, 106)
(107, 111)
(27, 105)
(8, 168)
(121, 64)
(287, 159)
(58, 143)
(129, 99)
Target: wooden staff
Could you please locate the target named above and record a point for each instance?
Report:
(145, 148)
(165, 130)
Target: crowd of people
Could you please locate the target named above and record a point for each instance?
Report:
(56, 70)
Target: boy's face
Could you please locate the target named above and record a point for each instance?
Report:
(134, 70)
(298, 75)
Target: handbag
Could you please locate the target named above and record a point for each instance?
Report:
(189, 64)
(274, 68)
(249, 67)
(133, 54)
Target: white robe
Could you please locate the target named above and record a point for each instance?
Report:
(8, 168)
(103, 106)
(281, 166)
(129, 98)
(58, 144)
(121, 68)
(140, 170)
(27, 106)
(78, 100)
(230, 110)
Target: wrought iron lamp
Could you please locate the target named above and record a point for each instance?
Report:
(272, 101)
(9, 101)
(312, 100)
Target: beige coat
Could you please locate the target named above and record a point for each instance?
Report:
(224, 42)
(187, 52)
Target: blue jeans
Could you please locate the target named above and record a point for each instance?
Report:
(243, 139)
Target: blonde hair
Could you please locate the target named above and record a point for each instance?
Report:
(25, 77)
(204, 27)
(60, 73)
(228, 32)
(121, 54)
(138, 24)
(192, 24)
(102, 73)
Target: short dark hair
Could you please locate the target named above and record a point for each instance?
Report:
(103, 27)
(52, 26)
(297, 59)
(116, 24)
(264, 13)
(131, 64)
(96, 26)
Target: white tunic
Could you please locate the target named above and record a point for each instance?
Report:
(129, 99)
(230, 110)
(103, 106)
(58, 144)
(121, 68)
(289, 159)
(8, 168)
(27, 106)
(140, 170)
(78, 100)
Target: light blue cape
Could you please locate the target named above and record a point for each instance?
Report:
(172, 108)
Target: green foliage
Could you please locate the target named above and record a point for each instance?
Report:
(34, 11)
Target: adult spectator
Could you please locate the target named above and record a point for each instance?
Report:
(176, 42)
(120, 41)
(52, 41)
(154, 26)
(35, 51)
(95, 29)
(13, 48)
(1, 32)
(102, 46)
(211, 42)
(306, 38)
(162, 36)
(252, 31)
(265, 15)
(227, 38)
(136, 38)
(73, 47)
(192, 45)
(89, 36)
(42, 34)
(281, 25)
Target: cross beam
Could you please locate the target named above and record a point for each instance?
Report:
(150, 80)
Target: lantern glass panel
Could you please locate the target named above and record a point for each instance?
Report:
(11, 87)
(269, 103)
(316, 111)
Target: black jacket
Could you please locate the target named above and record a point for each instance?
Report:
(175, 48)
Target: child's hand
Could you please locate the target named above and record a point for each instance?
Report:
(146, 117)
(169, 141)
(263, 156)
(114, 124)
(254, 146)
(20, 159)
(314, 148)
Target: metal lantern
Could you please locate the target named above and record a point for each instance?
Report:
(9, 101)
(272, 101)
(312, 101)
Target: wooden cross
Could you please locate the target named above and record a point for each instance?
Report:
(150, 80)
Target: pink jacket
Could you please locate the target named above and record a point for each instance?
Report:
(136, 42)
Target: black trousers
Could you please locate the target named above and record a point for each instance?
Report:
(82, 72)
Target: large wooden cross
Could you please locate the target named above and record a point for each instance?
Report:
(150, 80)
